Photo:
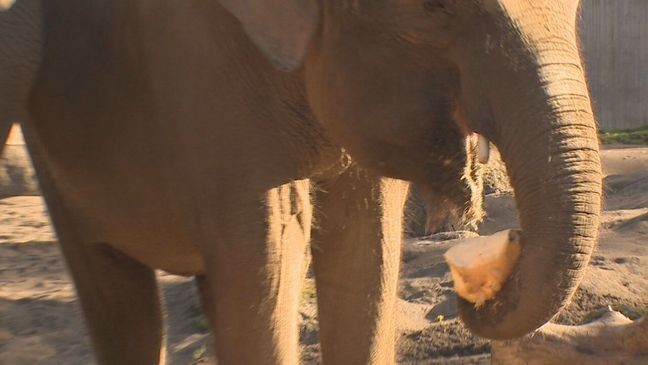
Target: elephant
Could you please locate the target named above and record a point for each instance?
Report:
(203, 138)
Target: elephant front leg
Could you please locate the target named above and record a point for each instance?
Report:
(119, 295)
(5, 128)
(254, 256)
(120, 301)
(356, 254)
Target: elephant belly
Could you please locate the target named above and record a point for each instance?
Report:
(156, 239)
(125, 200)
(146, 228)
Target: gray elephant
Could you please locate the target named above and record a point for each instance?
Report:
(186, 136)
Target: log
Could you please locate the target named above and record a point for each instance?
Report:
(612, 339)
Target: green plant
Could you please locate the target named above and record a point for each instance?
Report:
(199, 352)
(627, 136)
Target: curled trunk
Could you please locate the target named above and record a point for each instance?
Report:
(549, 142)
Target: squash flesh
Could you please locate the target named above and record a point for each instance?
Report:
(481, 265)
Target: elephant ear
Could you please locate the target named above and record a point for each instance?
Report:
(282, 29)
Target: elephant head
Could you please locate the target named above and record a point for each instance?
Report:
(397, 83)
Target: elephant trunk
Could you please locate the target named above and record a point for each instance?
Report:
(547, 137)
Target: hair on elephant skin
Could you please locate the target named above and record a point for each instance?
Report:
(188, 136)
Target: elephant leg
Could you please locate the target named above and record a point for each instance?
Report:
(21, 36)
(206, 300)
(120, 301)
(119, 296)
(356, 254)
(254, 257)
(5, 128)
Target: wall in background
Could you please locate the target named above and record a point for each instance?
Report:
(614, 41)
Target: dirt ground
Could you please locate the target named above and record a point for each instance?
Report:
(40, 321)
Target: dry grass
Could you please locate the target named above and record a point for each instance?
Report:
(496, 180)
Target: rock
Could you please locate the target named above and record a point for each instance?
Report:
(443, 311)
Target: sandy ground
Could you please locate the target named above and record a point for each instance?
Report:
(40, 321)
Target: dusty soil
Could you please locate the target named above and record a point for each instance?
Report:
(40, 321)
